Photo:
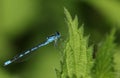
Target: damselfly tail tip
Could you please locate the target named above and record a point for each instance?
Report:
(7, 63)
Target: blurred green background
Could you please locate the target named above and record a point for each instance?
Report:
(26, 23)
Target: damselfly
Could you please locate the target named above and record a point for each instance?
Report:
(50, 39)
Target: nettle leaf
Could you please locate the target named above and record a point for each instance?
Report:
(77, 56)
(103, 67)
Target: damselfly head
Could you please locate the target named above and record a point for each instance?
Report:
(57, 34)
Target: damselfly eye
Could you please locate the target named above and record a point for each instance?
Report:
(57, 34)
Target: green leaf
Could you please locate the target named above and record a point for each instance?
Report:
(76, 60)
(103, 67)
